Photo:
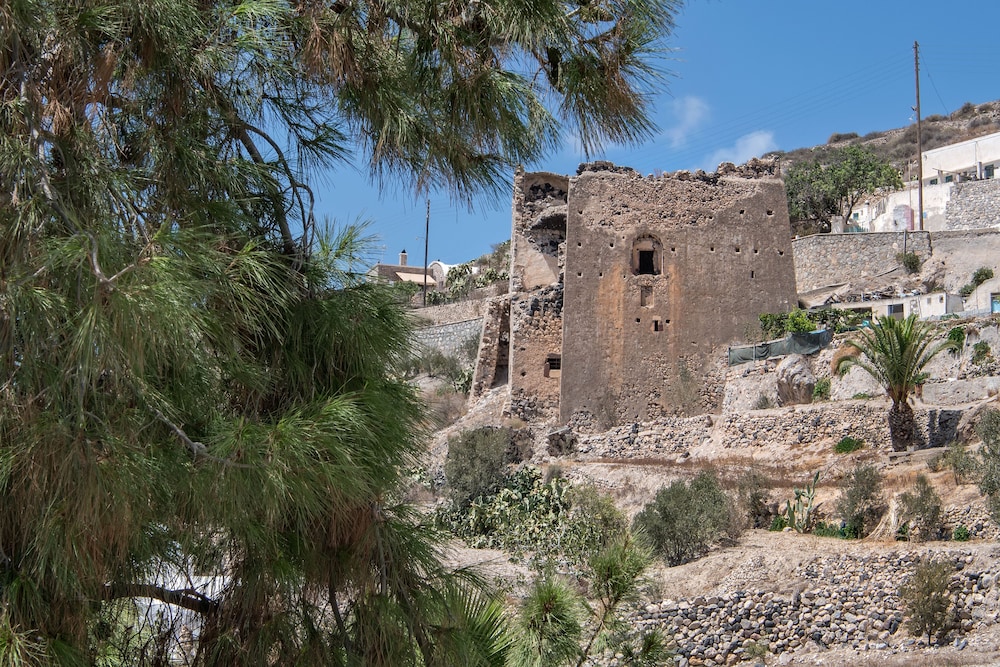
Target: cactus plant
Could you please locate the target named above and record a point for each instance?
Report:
(800, 515)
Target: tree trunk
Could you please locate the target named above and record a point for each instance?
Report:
(902, 427)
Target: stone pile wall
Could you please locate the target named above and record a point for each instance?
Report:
(447, 313)
(831, 259)
(449, 339)
(744, 431)
(848, 600)
(974, 205)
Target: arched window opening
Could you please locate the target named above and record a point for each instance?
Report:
(647, 256)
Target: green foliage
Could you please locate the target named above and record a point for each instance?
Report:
(547, 518)
(817, 191)
(776, 325)
(894, 353)
(957, 336)
(799, 322)
(196, 379)
(557, 625)
(799, 515)
(981, 275)
(685, 519)
(821, 390)
(964, 464)
(778, 523)
(861, 503)
(927, 600)
(961, 533)
(981, 353)
(435, 363)
(823, 529)
(763, 402)
(988, 429)
(909, 260)
(476, 463)
(754, 492)
(861, 396)
(847, 444)
(920, 508)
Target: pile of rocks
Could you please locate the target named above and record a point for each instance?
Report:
(845, 601)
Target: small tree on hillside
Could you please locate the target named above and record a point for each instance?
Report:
(895, 353)
(817, 191)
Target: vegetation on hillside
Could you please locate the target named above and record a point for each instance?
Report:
(895, 353)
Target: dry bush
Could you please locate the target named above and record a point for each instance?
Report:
(843, 352)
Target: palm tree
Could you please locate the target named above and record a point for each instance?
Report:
(895, 353)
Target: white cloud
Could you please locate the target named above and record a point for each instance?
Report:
(750, 145)
(690, 113)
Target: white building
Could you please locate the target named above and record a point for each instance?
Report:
(967, 160)
(925, 306)
(974, 159)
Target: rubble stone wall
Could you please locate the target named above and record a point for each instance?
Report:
(743, 431)
(847, 601)
(974, 205)
(449, 339)
(822, 260)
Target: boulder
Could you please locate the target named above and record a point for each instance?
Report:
(795, 380)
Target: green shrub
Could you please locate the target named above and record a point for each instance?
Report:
(763, 402)
(861, 396)
(960, 534)
(964, 465)
(927, 600)
(966, 290)
(545, 518)
(909, 260)
(754, 491)
(821, 390)
(778, 523)
(823, 529)
(981, 353)
(799, 322)
(848, 444)
(988, 429)
(920, 507)
(981, 275)
(957, 336)
(861, 503)
(476, 464)
(684, 520)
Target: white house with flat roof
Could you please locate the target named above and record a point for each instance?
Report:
(973, 159)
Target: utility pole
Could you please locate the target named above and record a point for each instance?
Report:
(920, 139)
(427, 232)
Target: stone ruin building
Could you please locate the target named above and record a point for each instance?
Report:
(624, 288)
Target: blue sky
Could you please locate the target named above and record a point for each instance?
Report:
(748, 76)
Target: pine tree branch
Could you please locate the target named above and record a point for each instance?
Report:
(186, 598)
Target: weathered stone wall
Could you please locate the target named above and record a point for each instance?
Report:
(848, 600)
(742, 432)
(494, 348)
(974, 205)
(446, 313)
(830, 259)
(452, 340)
(538, 237)
(536, 320)
(640, 341)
